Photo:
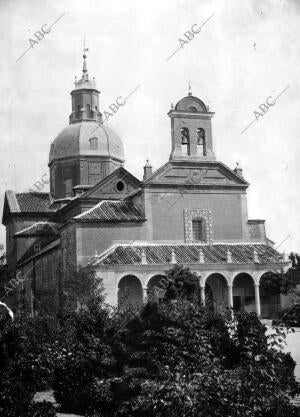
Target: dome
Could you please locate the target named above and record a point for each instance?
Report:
(191, 104)
(89, 139)
(85, 84)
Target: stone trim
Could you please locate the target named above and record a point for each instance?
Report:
(189, 216)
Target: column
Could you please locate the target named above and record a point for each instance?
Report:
(257, 300)
(230, 296)
(203, 295)
(145, 294)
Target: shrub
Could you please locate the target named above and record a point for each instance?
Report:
(169, 359)
(25, 366)
(290, 316)
(177, 358)
(16, 394)
(82, 360)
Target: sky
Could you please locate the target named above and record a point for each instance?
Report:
(245, 55)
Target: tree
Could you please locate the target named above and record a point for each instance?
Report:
(295, 258)
(291, 315)
(81, 354)
(3, 273)
(169, 358)
(23, 343)
(182, 283)
(178, 358)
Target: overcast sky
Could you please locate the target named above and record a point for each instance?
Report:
(247, 51)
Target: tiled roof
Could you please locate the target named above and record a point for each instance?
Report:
(39, 229)
(160, 254)
(111, 211)
(12, 201)
(31, 202)
(34, 202)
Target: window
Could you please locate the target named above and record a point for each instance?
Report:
(190, 228)
(78, 107)
(185, 141)
(198, 230)
(36, 247)
(93, 143)
(96, 108)
(88, 107)
(68, 187)
(192, 109)
(201, 145)
(120, 186)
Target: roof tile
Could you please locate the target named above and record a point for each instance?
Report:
(33, 202)
(39, 229)
(241, 253)
(111, 211)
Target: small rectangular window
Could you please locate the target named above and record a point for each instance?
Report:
(93, 143)
(68, 187)
(36, 247)
(197, 226)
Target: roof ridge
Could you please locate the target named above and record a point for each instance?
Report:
(43, 193)
(104, 254)
(89, 210)
(99, 205)
(33, 225)
(145, 243)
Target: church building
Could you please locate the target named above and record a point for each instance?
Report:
(192, 211)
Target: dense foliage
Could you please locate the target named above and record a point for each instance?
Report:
(290, 316)
(25, 364)
(295, 258)
(173, 358)
(277, 283)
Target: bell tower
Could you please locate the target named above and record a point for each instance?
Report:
(191, 130)
(85, 98)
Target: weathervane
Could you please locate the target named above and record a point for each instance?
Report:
(85, 49)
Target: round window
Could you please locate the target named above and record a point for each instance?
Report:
(120, 186)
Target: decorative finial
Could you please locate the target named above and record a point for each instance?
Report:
(201, 257)
(238, 170)
(144, 258)
(75, 82)
(173, 257)
(228, 256)
(84, 69)
(190, 89)
(172, 106)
